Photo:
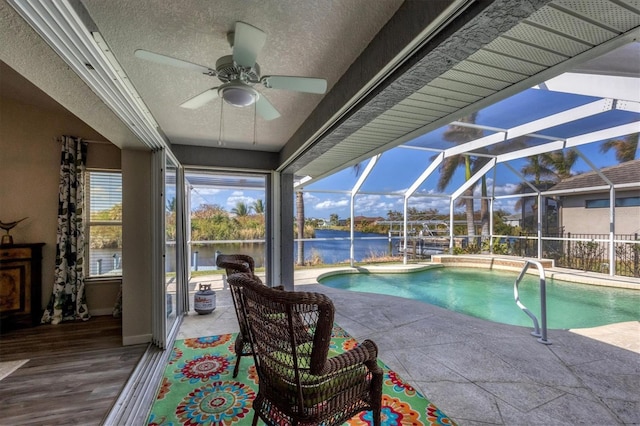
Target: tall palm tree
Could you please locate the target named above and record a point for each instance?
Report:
(258, 207)
(463, 134)
(560, 162)
(241, 209)
(536, 168)
(300, 226)
(460, 134)
(625, 148)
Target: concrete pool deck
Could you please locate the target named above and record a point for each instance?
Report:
(479, 372)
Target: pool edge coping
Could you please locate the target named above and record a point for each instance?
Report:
(503, 263)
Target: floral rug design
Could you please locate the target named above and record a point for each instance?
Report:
(198, 388)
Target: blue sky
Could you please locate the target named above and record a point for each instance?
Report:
(386, 178)
(398, 168)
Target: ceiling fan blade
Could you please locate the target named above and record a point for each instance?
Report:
(298, 84)
(168, 60)
(265, 109)
(247, 42)
(201, 99)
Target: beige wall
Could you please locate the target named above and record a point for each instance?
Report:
(29, 159)
(136, 243)
(579, 220)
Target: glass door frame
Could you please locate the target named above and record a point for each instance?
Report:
(166, 318)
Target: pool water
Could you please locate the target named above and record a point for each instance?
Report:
(488, 294)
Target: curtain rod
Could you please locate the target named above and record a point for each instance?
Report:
(58, 140)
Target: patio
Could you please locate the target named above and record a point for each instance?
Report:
(480, 372)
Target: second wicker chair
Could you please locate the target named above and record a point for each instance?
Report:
(238, 264)
(299, 382)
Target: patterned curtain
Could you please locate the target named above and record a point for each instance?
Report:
(68, 301)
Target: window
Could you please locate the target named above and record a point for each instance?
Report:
(620, 202)
(597, 204)
(628, 202)
(103, 236)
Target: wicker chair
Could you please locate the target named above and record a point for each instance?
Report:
(238, 264)
(300, 381)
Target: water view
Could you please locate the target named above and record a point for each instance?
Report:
(330, 246)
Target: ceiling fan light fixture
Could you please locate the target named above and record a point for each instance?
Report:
(238, 94)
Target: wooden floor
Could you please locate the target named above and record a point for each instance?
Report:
(74, 374)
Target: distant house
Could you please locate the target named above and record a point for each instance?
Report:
(513, 219)
(585, 209)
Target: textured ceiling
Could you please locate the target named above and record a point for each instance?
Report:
(304, 38)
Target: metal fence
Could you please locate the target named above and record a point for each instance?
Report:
(586, 252)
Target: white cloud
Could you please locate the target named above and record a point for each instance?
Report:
(205, 191)
(234, 199)
(438, 203)
(372, 205)
(331, 204)
(309, 197)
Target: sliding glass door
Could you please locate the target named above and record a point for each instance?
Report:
(168, 252)
(172, 287)
(228, 214)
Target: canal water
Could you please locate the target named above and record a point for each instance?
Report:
(329, 246)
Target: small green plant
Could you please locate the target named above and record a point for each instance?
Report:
(498, 247)
(589, 255)
(468, 249)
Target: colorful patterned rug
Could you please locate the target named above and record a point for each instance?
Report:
(198, 388)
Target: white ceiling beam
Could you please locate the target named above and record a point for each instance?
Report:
(365, 173)
(627, 106)
(475, 144)
(530, 128)
(528, 152)
(610, 133)
(427, 172)
(601, 86)
(477, 126)
(600, 135)
(573, 114)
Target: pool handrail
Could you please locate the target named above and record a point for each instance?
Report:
(540, 333)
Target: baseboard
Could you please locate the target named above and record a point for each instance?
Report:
(136, 340)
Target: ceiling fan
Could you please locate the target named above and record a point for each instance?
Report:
(239, 72)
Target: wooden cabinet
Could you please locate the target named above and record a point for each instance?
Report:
(20, 285)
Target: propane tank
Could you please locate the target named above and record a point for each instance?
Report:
(204, 300)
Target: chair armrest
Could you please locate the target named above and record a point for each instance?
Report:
(365, 353)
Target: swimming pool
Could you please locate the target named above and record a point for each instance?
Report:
(488, 294)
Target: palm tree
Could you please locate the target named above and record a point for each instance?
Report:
(300, 226)
(171, 205)
(463, 134)
(545, 169)
(537, 168)
(625, 148)
(258, 207)
(560, 162)
(459, 135)
(241, 209)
